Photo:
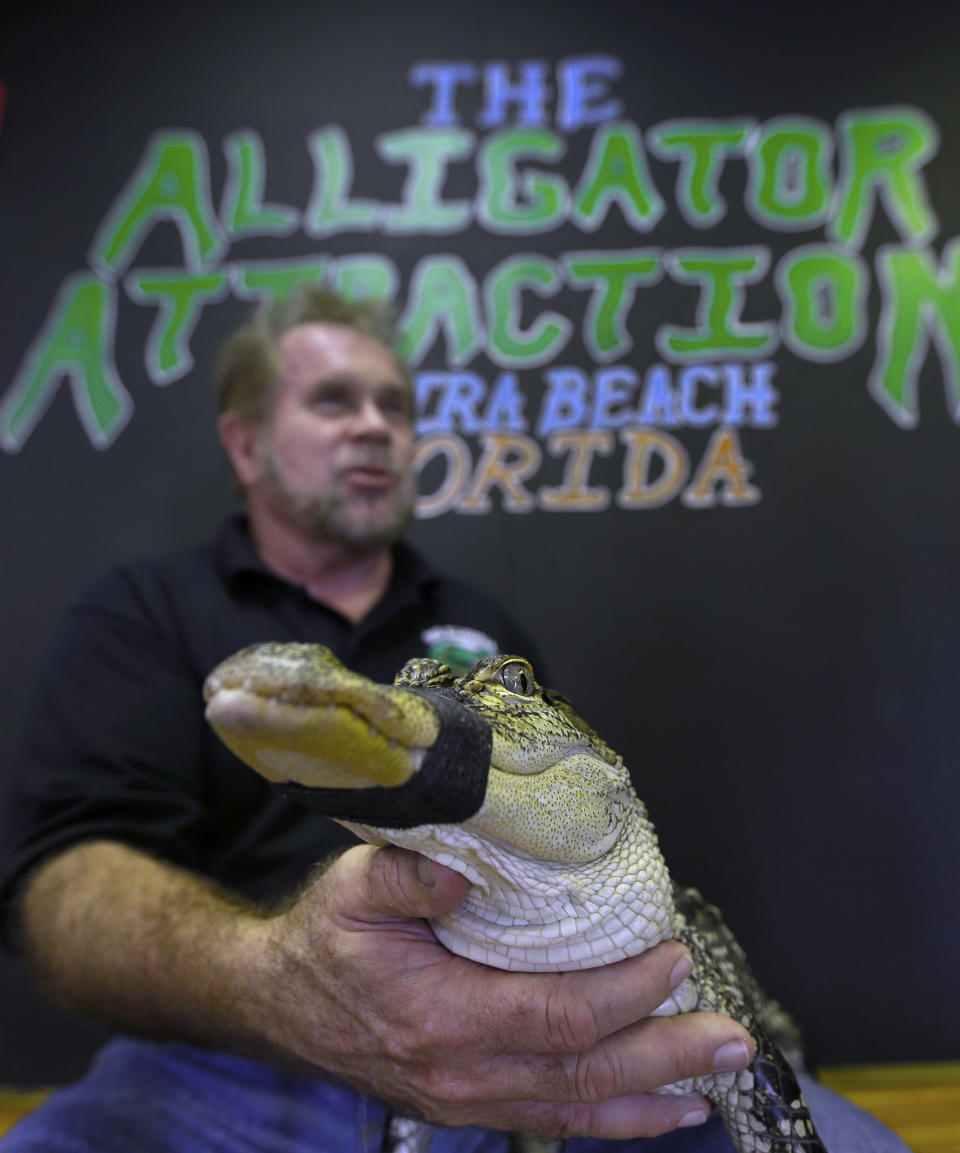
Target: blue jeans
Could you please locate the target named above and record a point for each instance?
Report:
(142, 1097)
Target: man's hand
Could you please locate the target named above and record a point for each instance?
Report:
(349, 979)
(353, 981)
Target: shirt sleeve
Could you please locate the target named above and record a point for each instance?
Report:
(112, 743)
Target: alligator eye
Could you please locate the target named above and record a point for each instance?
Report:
(516, 677)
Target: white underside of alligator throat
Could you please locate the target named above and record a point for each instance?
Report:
(530, 915)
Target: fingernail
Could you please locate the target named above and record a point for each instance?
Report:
(694, 1117)
(425, 872)
(681, 970)
(730, 1057)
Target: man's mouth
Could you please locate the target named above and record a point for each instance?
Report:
(369, 476)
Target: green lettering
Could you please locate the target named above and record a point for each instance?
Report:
(544, 197)
(270, 279)
(242, 209)
(789, 185)
(919, 300)
(442, 296)
(171, 183)
(427, 152)
(616, 171)
(882, 152)
(509, 344)
(613, 276)
(181, 298)
(721, 274)
(702, 148)
(824, 296)
(330, 209)
(366, 278)
(76, 342)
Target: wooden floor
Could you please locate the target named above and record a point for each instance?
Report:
(15, 1102)
(920, 1102)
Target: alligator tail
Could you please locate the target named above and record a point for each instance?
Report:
(763, 1107)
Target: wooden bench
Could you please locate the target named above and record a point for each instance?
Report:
(920, 1102)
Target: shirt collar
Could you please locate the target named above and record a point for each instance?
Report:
(238, 558)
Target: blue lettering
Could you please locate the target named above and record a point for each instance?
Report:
(687, 383)
(583, 83)
(444, 78)
(505, 408)
(459, 396)
(657, 406)
(751, 400)
(530, 93)
(565, 403)
(613, 386)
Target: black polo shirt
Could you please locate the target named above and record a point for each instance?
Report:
(116, 745)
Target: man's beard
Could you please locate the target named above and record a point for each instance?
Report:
(333, 516)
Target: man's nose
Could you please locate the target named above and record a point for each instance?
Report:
(369, 421)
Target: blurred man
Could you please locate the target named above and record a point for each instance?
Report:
(158, 885)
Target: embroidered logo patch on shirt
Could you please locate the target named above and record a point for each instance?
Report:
(458, 646)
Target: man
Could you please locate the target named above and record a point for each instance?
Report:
(155, 883)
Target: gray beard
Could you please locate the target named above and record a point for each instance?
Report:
(330, 517)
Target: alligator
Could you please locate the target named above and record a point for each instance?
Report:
(499, 778)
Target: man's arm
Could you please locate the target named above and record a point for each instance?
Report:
(350, 980)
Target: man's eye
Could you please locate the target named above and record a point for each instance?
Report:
(396, 407)
(516, 678)
(330, 399)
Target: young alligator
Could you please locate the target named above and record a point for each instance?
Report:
(500, 779)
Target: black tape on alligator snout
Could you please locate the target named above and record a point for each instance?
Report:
(448, 787)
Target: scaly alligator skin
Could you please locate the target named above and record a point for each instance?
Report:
(500, 779)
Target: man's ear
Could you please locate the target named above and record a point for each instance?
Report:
(240, 437)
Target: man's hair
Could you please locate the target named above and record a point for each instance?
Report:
(247, 367)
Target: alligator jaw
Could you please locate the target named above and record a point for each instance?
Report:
(345, 746)
(295, 714)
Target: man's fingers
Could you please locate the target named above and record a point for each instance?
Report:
(655, 1052)
(386, 883)
(623, 1119)
(570, 1012)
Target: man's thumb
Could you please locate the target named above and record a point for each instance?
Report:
(401, 883)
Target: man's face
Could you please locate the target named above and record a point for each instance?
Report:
(336, 452)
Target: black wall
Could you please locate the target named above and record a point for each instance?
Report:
(771, 644)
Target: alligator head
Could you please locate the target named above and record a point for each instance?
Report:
(489, 774)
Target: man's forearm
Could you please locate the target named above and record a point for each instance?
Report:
(349, 979)
(144, 946)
